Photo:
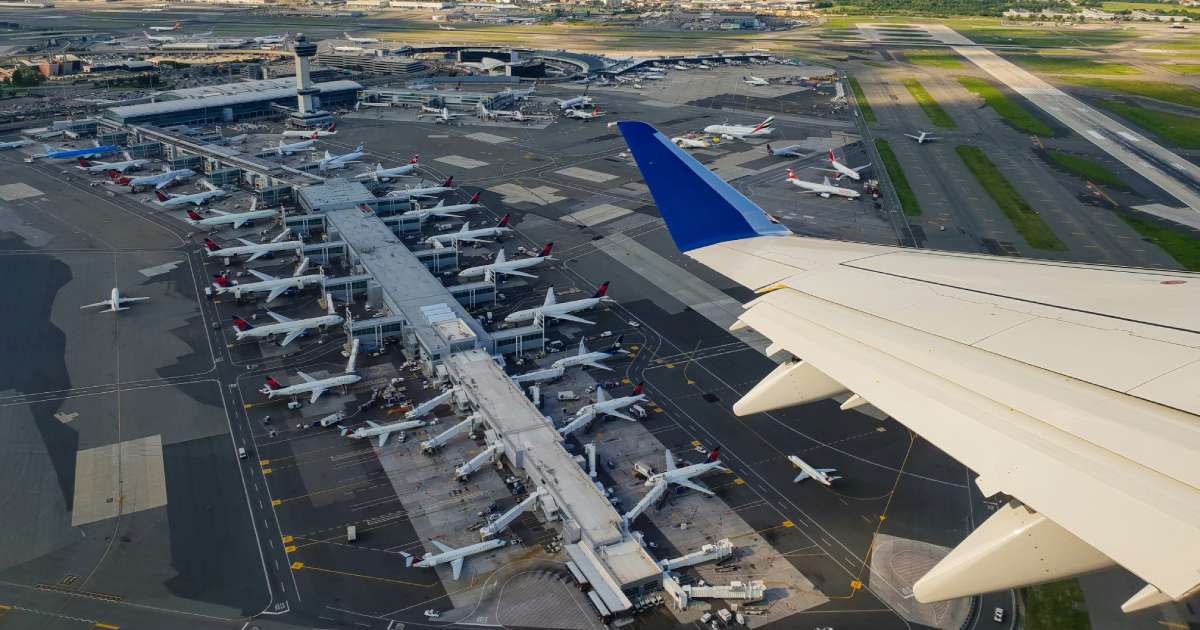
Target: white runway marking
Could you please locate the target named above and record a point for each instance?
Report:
(460, 161)
(19, 190)
(487, 137)
(595, 177)
(158, 270)
(515, 193)
(596, 215)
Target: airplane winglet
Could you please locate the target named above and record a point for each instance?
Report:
(698, 207)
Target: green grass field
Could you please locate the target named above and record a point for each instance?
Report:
(1183, 247)
(1181, 68)
(1024, 218)
(1073, 65)
(933, 111)
(1009, 110)
(864, 106)
(1157, 90)
(1182, 131)
(908, 199)
(1090, 170)
(1055, 606)
(1037, 38)
(1152, 7)
(933, 58)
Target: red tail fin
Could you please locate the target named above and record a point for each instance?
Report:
(449, 183)
(241, 324)
(602, 290)
(113, 175)
(791, 174)
(546, 250)
(220, 280)
(314, 136)
(770, 151)
(191, 214)
(415, 159)
(272, 383)
(212, 247)
(83, 162)
(474, 198)
(157, 193)
(832, 158)
(333, 127)
(503, 221)
(638, 390)
(714, 455)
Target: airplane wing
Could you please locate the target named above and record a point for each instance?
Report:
(290, 337)
(456, 566)
(694, 485)
(1070, 387)
(383, 438)
(859, 168)
(912, 136)
(316, 393)
(97, 304)
(570, 318)
(620, 414)
(282, 319)
(246, 242)
(801, 477)
(514, 272)
(597, 364)
(127, 300)
(442, 547)
(471, 240)
(306, 377)
(256, 255)
(260, 275)
(276, 292)
(372, 424)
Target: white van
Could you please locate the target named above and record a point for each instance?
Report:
(241, 452)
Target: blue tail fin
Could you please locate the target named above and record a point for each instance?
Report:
(699, 208)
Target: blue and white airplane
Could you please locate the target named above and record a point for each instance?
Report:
(1069, 387)
(71, 154)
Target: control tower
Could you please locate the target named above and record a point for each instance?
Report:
(309, 113)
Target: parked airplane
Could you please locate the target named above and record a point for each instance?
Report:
(158, 180)
(254, 250)
(105, 167)
(315, 386)
(289, 328)
(233, 219)
(686, 142)
(310, 133)
(454, 556)
(167, 29)
(582, 100)
(467, 235)
(161, 39)
(69, 154)
(922, 137)
(820, 475)
(360, 40)
(511, 114)
(331, 161)
(741, 132)
(604, 406)
(382, 431)
(440, 116)
(583, 114)
(504, 267)
(423, 191)
(15, 144)
(115, 302)
(553, 309)
(196, 199)
(381, 174)
(272, 39)
(683, 476)
(824, 189)
(272, 286)
(296, 147)
(1013, 401)
(590, 358)
(755, 81)
(790, 151)
(842, 169)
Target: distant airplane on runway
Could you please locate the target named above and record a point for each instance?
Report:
(820, 475)
(115, 302)
(922, 137)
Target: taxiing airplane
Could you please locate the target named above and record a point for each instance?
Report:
(423, 191)
(272, 286)
(454, 557)
(15, 144)
(741, 132)
(755, 81)
(583, 114)
(511, 114)
(272, 39)
(922, 137)
(233, 219)
(552, 309)
(824, 189)
(467, 235)
(683, 476)
(604, 406)
(315, 386)
(113, 167)
(161, 39)
(360, 40)
(504, 267)
(167, 29)
(296, 147)
(331, 161)
(820, 475)
(115, 302)
(254, 250)
(70, 154)
(790, 151)
(291, 329)
(381, 174)
(842, 169)
(158, 180)
(1027, 371)
(196, 199)
(310, 133)
(590, 358)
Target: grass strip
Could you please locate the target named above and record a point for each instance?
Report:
(1025, 219)
(1177, 93)
(1009, 110)
(1090, 170)
(1177, 129)
(1183, 247)
(933, 110)
(908, 199)
(1055, 606)
(864, 106)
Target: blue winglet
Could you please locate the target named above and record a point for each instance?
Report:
(699, 208)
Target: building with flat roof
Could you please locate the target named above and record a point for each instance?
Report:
(229, 102)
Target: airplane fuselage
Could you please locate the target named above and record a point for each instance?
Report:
(282, 328)
(340, 380)
(233, 218)
(266, 286)
(554, 309)
(246, 250)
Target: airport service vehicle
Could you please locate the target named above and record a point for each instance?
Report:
(233, 219)
(467, 235)
(272, 286)
(331, 161)
(115, 302)
(158, 180)
(107, 167)
(455, 557)
(552, 309)
(824, 189)
(504, 267)
(424, 192)
(683, 476)
(842, 169)
(291, 329)
(820, 475)
(310, 133)
(315, 386)
(983, 369)
(604, 406)
(922, 137)
(790, 151)
(742, 132)
(381, 174)
(254, 250)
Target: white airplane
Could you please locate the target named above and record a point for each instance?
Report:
(115, 302)
(93, 166)
(683, 476)
(824, 189)
(448, 212)
(296, 147)
(167, 29)
(310, 133)
(922, 137)
(755, 81)
(583, 114)
(360, 40)
(820, 475)
(511, 114)
(604, 406)
(15, 144)
(467, 235)
(590, 358)
(291, 329)
(272, 286)
(423, 191)
(162, 39)
(686, 142)
(504, 267)
(233, 219)
(552, 309)
(382, 431)
(790, 151)
(454, 556)
(582, 100)
(196, 199)
(158, 180)
(331, 161)
(741, 132)
(381, 174)
(1026, 371)
(443, 115)
(272, 39)
(315, 386)
(842, 169)
(254, 250)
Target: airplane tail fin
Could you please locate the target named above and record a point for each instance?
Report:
(771, 151)
(84, 163)
(503, 222)
(546, 250)
(159, 194)
(241, 324)
(191, 214)
(219, 280)
(832, 157)
(714, 455)
(474, 198)
(601, 291)
(332, 128)
(449, 183)
(416, 158)
(791, 174)
(638, 390)
(273, 384)
(698, 207)
(211, 245)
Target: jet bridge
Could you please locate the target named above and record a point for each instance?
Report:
(440, 440)
(462, 473)
(707, 553)
(511, 515)
(656, 492)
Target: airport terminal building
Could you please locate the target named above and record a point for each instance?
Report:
(230, 102)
